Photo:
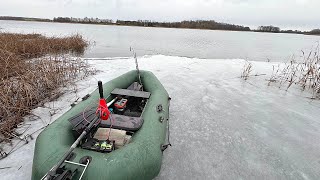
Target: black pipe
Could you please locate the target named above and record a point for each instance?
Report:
(100, 89)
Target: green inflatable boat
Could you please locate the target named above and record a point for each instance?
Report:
(129, 144)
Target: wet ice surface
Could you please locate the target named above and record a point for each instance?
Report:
(225, 128)
(221, 127)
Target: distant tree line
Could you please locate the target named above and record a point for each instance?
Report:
(315, 32)
(83, 20)
(199, 24)
(23, 18)
(62, 19)
(274, 29)
(268, 29)
(292, 31)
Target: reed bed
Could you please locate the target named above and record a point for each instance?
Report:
(304, 72)
(36, 45)
(32, 69)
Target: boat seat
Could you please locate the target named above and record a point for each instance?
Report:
(132, 93)
(122, 122)
(127, 123)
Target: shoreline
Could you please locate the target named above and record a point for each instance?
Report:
(114, 24)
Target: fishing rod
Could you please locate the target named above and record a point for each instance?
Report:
(137, 65)
(103, 113)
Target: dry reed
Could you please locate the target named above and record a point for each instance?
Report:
(304, 72)
(32, 68)
(246, 70)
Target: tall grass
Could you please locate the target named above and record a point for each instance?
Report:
(246, 70)
(32, 68)
(304, 72)
(36, 45)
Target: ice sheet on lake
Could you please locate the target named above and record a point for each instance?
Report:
(221, 126)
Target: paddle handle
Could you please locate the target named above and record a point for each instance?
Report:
(100, 89)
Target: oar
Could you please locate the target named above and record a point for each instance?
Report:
(104, 113)
(51, 174)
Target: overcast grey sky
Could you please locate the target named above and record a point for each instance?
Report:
(296, 14)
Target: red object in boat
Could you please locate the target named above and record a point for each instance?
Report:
(103, 109)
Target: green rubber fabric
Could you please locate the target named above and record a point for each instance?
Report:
(140, 159)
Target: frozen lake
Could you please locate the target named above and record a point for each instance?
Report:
(221, 126)
(115, 41)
